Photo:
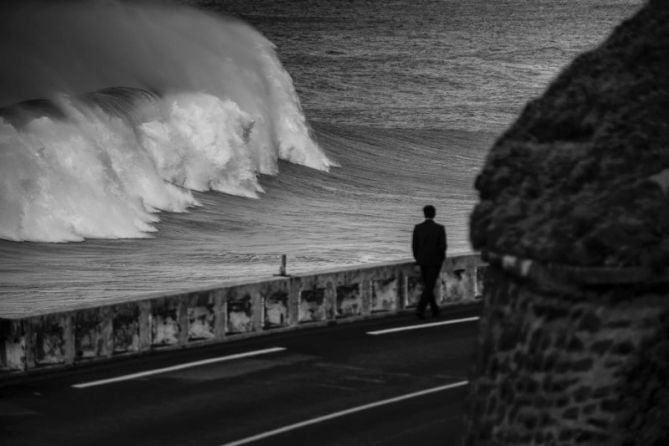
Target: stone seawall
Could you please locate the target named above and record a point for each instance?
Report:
(232, 311)
(571, 356)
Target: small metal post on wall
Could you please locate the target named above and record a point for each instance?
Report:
(282, 268)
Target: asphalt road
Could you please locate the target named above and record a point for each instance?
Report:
(336, 385)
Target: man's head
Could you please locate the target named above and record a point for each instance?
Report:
(429, 211)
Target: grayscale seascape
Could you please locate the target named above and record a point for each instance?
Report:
(337, 127)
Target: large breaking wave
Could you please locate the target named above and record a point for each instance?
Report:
(141, 105)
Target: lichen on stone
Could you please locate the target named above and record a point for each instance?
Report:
(581, 177)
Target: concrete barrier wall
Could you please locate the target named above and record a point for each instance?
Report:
(231, 311)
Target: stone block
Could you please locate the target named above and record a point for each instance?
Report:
(612, 405)
(48, 340)
(590, 323)
(566, 435)
(571, 414)
(589, 409)
(92, 333)
(240, 311)
(12, 345)
(164, 322)
(384, 294)
(276, 309)
(602, 392)
(126, 328)
(312, 305)
(201, 323)
(561, 384)
(201, 316)
(562, 402)
(349, 300)
(509, 338)
(550, 312)
(599, 422)
(601, 347)
(582, 365)
(582, 393)
(414, 291)
(530, 420)
(623, 348)
(455, 284)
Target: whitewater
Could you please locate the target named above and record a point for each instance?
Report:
(109, 160)
(151, 147)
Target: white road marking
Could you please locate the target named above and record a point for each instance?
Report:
(345, 412)
(178, 367)
(419, 326)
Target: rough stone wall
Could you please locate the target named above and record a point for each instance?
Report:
(648, 392)
(582, 177)
(580, 182)
(560, 367)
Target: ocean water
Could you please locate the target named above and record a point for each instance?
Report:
(178, 146)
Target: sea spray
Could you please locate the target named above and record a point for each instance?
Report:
(142, 104)
(79, 177)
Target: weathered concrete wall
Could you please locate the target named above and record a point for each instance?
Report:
(570, 356)
(229, 312)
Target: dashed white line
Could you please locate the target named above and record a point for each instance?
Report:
(419, 326)
(345, 412)
(178, 367)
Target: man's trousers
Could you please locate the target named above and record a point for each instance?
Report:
(430, 274)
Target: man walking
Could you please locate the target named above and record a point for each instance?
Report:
(429, 250)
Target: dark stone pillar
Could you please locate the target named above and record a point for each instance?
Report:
(574, 216)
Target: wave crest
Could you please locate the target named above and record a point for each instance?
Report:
(97, 161)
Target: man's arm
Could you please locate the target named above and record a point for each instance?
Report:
(414, 243)
(443, 244)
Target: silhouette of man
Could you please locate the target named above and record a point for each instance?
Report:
(429, 249)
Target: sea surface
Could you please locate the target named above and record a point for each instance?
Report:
(248, 129)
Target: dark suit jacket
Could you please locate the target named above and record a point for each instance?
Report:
(429, 243)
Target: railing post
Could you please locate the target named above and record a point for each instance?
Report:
(366, 296)
(69, 351)
(257, 309)
(144, 326)
(294, 287)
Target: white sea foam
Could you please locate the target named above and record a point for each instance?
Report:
(226, 111)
